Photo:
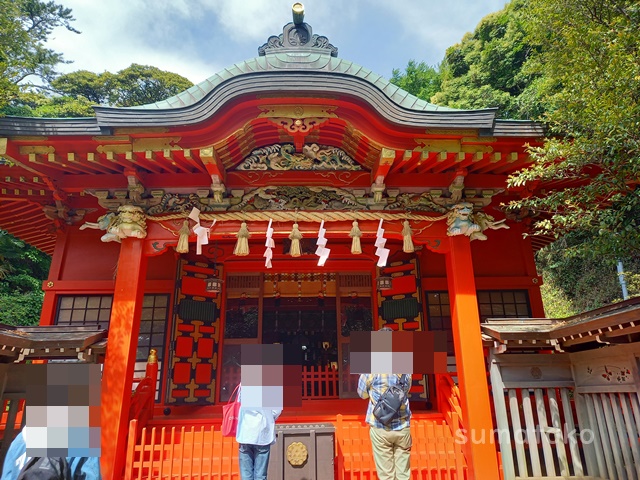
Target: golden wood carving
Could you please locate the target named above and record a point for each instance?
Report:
(298, 125)
(297, 111)
(37, 149)
(387, 156)
(143, 144)
(114, 149)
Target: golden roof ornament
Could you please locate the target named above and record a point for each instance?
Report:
(298, 13)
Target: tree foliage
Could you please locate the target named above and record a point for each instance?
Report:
(25, 26)
(419, 79)
(486, 68)
(22, 270)
(142, 84)
(575, 282)
(74, 94)
(590, 66)
(574, 65)
(134, 85)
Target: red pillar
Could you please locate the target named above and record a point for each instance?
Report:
(117, 377)
(535, 296)
(480, 448)
(49, 304)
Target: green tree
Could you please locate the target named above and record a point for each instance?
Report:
(37, 104)
(142, 84)
(83, 83)
(590, 66)
(74, 94)
(419, 79)
(22, 270)
(576, 282)
(486, 68)
(25, 26)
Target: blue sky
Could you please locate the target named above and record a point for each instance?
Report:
(197, 38)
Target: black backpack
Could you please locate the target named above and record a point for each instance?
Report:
(390, 402)
(45, 468)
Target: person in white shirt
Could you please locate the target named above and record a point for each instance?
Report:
(255, 435)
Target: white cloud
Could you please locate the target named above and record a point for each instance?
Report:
(197, 38)
(122, 40)
(437, 25)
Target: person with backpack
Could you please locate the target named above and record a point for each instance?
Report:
(17, 466)
(388, 416)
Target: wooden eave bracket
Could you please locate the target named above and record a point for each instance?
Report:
(556, 345)
(218, 173)
(134, 185)
(457, 184)
(379, 172)
(499, 347)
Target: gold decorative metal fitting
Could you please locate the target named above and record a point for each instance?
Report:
(153, 357)
(297, 454)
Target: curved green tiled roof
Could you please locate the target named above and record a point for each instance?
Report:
(283, 62)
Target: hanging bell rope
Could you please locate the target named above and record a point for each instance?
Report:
(242, 244)
(295, 237)
(355, 234)
(407, 241)
(183, 240)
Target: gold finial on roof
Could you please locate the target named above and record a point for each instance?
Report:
(298, 13)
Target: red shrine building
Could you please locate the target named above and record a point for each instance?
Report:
(159, 220)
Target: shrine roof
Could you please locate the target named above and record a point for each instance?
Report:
(295, 64)
(616, 323)
(57, 341)
(284, 61)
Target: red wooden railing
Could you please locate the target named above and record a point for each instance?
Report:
(319, 382)
(201, 452)
(448, 401)
(11, 421)
(143, 397)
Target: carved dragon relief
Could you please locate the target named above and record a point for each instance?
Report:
(301, 198)
(461, 218)
(284, 157)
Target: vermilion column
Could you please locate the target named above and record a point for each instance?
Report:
(117, 377)
(479, 447)
(48, 312)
